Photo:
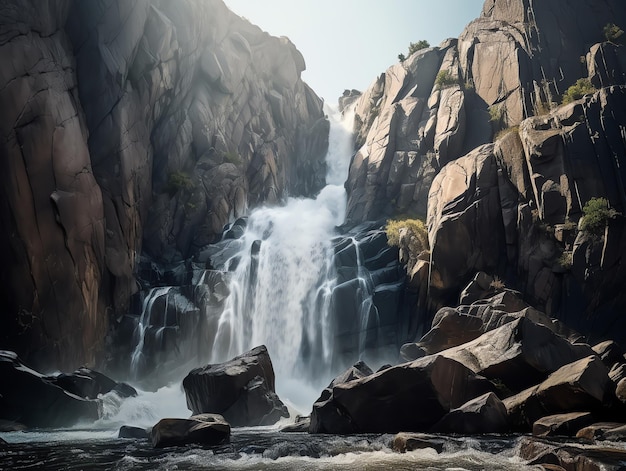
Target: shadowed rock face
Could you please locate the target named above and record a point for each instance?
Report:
(132, 127)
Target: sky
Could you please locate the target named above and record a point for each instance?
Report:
(347, 43)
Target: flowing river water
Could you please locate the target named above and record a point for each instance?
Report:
(289, 306)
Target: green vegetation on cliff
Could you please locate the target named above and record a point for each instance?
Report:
(596, 214)
(179, 181)
(416, 238)
(413, 48)
(581, 88)
(612, 32)
(445, 79)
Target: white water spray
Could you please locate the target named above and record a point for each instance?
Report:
(280, 291)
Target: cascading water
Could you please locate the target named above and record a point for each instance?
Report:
(281, 288)
(286, 278)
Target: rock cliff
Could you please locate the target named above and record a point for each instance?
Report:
(129, 128)
(472, 137)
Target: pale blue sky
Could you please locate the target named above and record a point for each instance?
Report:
(348, 43)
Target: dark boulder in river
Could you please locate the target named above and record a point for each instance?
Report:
(30, 398)
(203, 429)
(409, 397)
(241, 389)
(88, 384)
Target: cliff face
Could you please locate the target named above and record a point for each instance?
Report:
(470, 136)
(133, 127)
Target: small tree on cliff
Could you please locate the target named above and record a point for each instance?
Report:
(613, 33)
(414, 47)
(596, 214)
(581, 88)
(421, 44)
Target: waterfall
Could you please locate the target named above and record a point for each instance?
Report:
(286, 278)
(282, 285)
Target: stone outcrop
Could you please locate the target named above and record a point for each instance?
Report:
(407, 397)
(129, 128)
(578, 386)
(484, 414)
(561, 424)
(29, 398)
(520, 353)
(201, 429)
(242, 390)
(470, 134)
(89, 384)
(569, 456)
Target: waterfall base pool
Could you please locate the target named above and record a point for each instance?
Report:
(252, 449)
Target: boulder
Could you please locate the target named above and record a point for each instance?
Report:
(580, 385)
(551, 455)
(450, 329)
(359, 370)
(27, 397)
(127, 431)
(404, 441)
(202, 429)
(411, 351)
(603, 431)
(407, 397)
(301, 424)
(610, 352)
(561, 424)
(88, 383)
(484, 414)
(519, 354)
(241, 389)
(327, 417)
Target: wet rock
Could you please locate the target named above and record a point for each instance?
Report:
(580, 385)
(128, 431)
(603, 431)
(241, 389)
(484, 414)
(388, 401)
(561, 424)
(327, 417)
(202, 429)
(569, 456)
(88, 383)
(520, 353)
(403, 442)
(301, 424)
(11, 426)
(27, 397)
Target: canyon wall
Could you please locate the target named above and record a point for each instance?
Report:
(133, 128)
(471, 136)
